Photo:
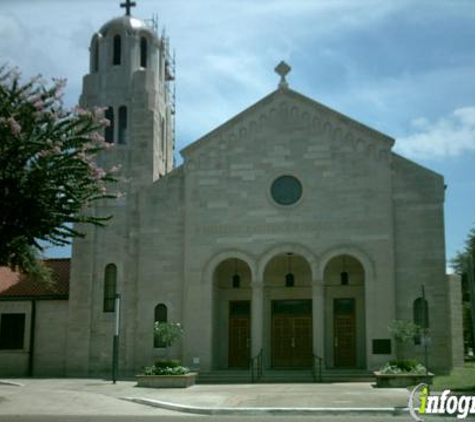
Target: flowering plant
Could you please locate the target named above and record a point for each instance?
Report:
(48, 171)
(403, 367)
(166, 367)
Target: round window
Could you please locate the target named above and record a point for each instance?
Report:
(286, 190)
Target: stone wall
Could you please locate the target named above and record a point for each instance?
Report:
(50, 339)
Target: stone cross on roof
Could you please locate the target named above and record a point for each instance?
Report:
(282, 69)
(128, 5)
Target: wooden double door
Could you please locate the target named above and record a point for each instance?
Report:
(344, 328)
(239, 334)
(292, 333)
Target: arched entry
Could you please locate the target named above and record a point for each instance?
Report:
(287, 283)
(232, 314)
(344, 280)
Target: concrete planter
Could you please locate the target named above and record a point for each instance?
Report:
(166, 381)
(401, 380)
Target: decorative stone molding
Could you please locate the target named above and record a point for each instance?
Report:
(352, 250)
(215, 260)
(309, 114)
(283, 248)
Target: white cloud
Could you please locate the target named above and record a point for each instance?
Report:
(449, 136)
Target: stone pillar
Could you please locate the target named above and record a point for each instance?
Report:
(318, 311)
(257, 317)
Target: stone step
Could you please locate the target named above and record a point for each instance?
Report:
(224, 377)
(284, 376)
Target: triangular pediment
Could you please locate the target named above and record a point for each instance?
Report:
(290, 105)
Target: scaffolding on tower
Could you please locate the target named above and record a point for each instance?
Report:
(169, 71)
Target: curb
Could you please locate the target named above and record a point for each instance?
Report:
(11, 383)
(296, 411)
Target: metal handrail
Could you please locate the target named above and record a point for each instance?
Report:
(317, 368)
(256, 367)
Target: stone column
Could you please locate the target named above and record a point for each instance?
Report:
(257, 314)
(318, 311)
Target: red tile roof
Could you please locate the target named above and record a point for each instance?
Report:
(17, 285)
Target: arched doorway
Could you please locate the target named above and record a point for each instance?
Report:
(345, 344)
(287, 283)
(232, 314)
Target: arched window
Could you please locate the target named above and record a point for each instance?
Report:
(95, 55)
(143, 52)
(110, 287)
(421, 316)
(122, 124)
(109, 132)
(161, 315)
(116, 57)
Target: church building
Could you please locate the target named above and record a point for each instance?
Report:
(290, 232)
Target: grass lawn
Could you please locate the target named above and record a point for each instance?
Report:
(460, 379)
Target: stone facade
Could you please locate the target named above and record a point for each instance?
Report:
(210, 241)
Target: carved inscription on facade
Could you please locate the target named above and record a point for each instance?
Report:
(270, 228)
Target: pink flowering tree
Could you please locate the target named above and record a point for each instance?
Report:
(48, 172)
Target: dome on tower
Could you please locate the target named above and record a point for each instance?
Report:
(127, 23)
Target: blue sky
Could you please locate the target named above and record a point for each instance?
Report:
(405, 67)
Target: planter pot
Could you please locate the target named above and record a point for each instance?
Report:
(401, 380)
(166, 381)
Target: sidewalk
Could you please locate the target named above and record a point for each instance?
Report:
(86, 396)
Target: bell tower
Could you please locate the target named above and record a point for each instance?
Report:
(131, 75)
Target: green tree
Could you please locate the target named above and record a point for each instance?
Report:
(460, 264)
(48, 174)
(404, 332)
(168, 332)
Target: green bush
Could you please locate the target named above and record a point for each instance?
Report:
(166, 370)
(173, 363)
(408, 366)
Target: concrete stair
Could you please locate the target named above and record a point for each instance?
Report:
(225, 376)
(272, 376)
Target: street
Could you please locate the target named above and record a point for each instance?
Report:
(186, 418)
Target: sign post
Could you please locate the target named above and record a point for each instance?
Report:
(115, 341)
(425, 327)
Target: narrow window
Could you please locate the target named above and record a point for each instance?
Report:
(122, 124)
(421, 316)
(110, 287)
(109, 132)
(117, 50)
(95, 56)
(161, 315)
(143, 52)
(12, 331)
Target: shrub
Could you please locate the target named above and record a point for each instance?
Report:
(408, 366)
(166, 370)
(173, 363)
(168, 332)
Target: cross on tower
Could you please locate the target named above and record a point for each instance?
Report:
(282, 69)
(128, 5)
